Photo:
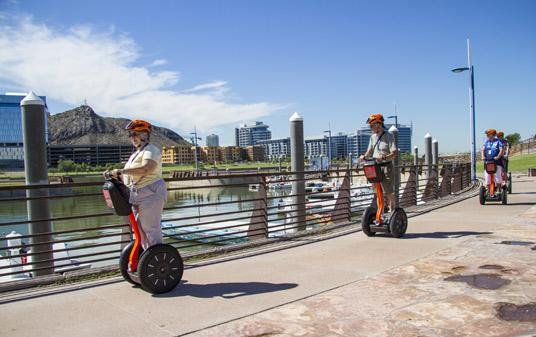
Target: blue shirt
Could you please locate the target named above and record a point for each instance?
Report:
(492, 148)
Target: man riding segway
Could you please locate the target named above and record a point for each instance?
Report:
(506, 175)
(379, 171)
(492, 151)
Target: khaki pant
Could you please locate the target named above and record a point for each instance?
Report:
(147, 205)
(387, 183)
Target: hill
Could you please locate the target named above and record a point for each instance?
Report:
(81, 126)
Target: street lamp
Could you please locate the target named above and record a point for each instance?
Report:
(194, 138)
(396, 120)
(471, 107)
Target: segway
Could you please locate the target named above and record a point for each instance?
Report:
(495, 193)
(158, 269)
(374, 220)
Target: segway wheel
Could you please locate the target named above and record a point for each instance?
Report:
(504, 196)
(123, 262)
(398, 223)
(482, 195)
(160, 269)
(368, 219)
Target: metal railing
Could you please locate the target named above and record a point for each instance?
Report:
(247, 208)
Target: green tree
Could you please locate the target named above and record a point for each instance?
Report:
(513, 138)
(66, 165)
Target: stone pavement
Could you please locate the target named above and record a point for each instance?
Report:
(351, 285)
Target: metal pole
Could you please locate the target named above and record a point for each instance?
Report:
(280, 163)
(472, 112)
(297, 164)
(428, 154)
(396, 170)
(35, 169)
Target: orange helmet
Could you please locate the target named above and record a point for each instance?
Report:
(500, 134)
(137, 125)
(491, 132)
(375, 118)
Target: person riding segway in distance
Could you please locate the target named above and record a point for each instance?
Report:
(382, 148)
(493, 150)
(504, 158)
(142, 174)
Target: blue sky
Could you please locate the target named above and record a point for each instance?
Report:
(215, 64)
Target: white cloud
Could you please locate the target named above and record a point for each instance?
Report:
(158, 62)
(70, 65)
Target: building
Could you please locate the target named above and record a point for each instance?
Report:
(11, 138)
(211, 154)
(316, 147)
(232, 154)
(255, 153)
(90, 154)
(180, 154)
(249, 135)
(339, 146)
(274, 148)
(358, 142)
(213, 140)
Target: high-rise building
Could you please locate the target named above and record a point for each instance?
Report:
(11, 148)
(339, 145)
(316, 147)
(213, 140)
(249, 135)
(274, 148)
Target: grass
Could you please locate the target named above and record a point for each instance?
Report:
(519, 163)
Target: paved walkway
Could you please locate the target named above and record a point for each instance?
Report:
(347, 286)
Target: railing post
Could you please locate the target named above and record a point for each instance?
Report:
(258, 224)
(35, 169)
(396, 169)
(435, 164)
(416, 164)
(297, 165)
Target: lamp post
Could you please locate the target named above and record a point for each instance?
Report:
(194, 139)
(471, 107)
(396, 120)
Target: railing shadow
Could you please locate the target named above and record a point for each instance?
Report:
(226, 290)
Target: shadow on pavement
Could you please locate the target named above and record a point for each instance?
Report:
(442, 235)
(226, 290)
(521, 204)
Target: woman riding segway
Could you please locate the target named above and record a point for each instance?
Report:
(159, 268)
(382, 149)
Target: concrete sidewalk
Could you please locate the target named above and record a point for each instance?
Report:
(228, 291)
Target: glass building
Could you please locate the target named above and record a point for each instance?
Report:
(249, 135)
(213, 140)
(11, 148)
(274, 148)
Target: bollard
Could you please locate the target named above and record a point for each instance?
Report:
(435, 161)
(350, 166)
(416, 165)
(428, 154)
(396, 167)
(297, 165)
(35, 169)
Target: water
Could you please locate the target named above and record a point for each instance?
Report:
(88, 205)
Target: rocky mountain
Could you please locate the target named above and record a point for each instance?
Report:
(81, 126)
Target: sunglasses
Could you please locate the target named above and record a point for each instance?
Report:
(133, 134)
